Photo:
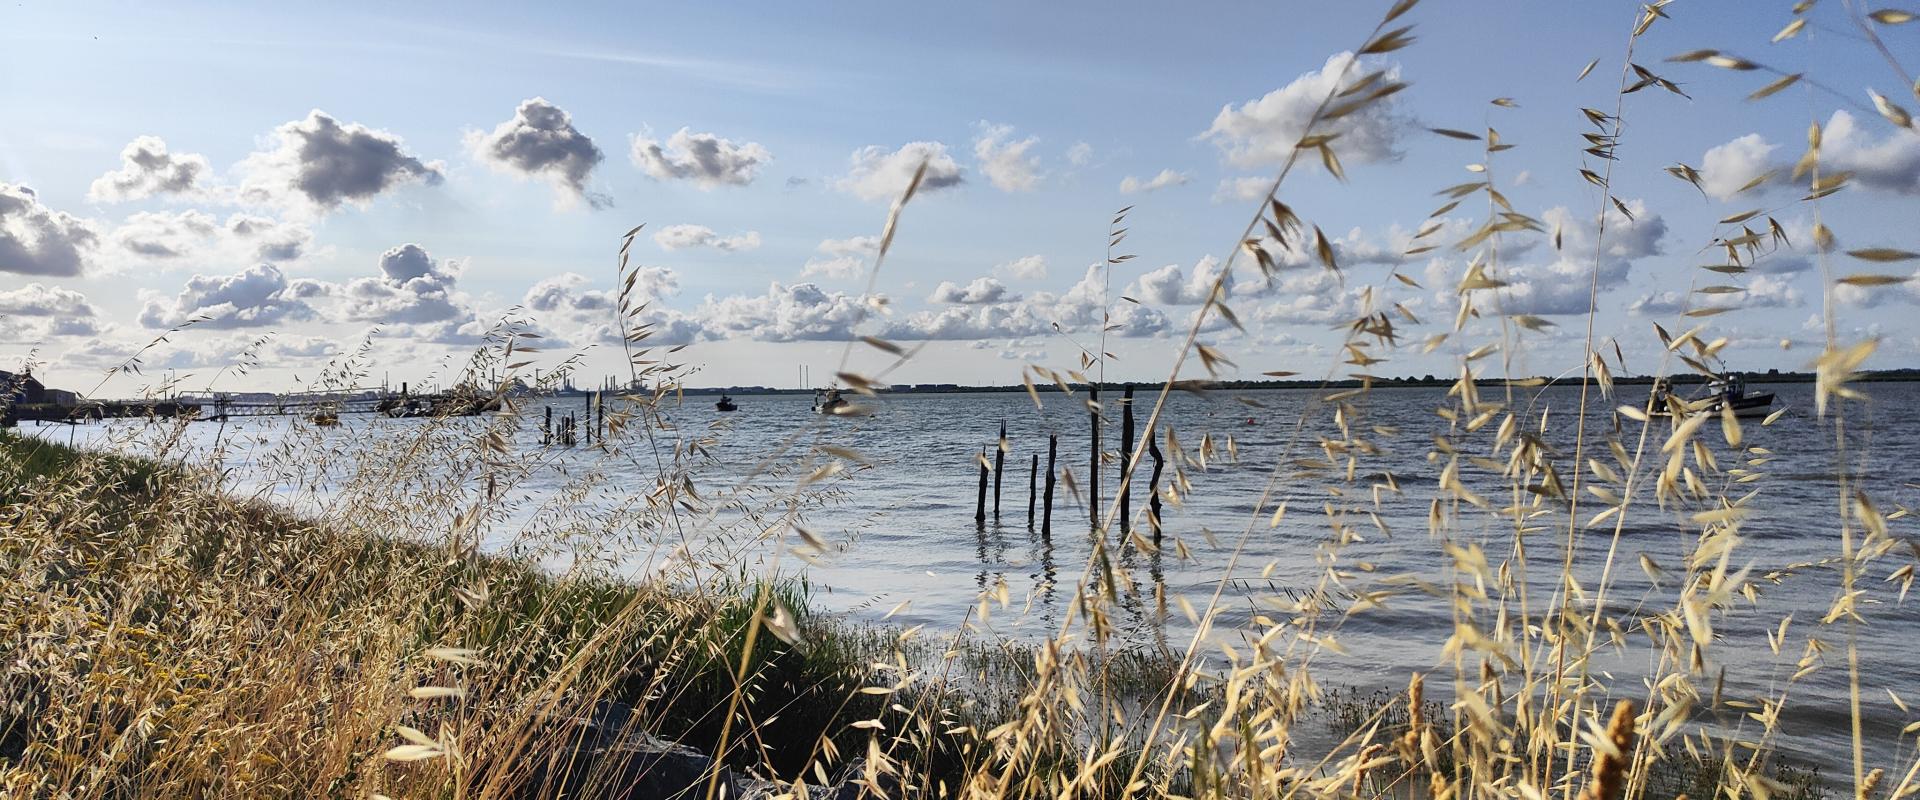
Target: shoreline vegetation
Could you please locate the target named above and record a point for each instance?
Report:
(161, 633)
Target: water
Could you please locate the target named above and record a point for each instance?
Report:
(903, 529)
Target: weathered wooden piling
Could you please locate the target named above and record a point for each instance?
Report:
(1046, 513)
(1093, 456)
(546, 428)
(980, 503)
(1033, 477)
(1153, 486)
(600, 414)
(587, 417)
(999, 464)
(1126, 461)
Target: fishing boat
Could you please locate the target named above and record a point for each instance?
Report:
(1726, 391)
(830, 402)
(726, 404)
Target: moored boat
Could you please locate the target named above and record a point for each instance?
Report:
(1727, 391)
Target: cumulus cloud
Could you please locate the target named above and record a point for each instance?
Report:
(37, 312)
(980, 291)
(703, 158)
(844, 259)
(1169, 286)
(1565, 285)
(1264, 132)
(1763, 291)
(541, 142)
(585, 315)
(1024, 268)
(412, 288)
(196, 235)
(147, 169)
(37, 240)
(317, 164)
(256, 297)
(1889, 164)
(1725, 169)
(1005, 161)
(1166, 178)
(881, 174)
(1080, 154)
(801, 312)
(682, 237)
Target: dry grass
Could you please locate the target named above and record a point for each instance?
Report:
(162, 637)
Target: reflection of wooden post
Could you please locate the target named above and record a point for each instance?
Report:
(1126, 460)
(1093, 455)
(1033, 476)
(980, 504)
(999, 463)
(1046, 507)
(1153, 486)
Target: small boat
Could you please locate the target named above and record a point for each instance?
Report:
(325, 419)
(726, 404)
(1727, 391)
(830, 402)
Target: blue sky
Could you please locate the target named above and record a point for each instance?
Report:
(447, 203)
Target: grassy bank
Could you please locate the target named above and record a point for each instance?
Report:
(162, 637)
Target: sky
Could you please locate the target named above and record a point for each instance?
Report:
(294, 183)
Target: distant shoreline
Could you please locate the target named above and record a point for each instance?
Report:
(1886, 376)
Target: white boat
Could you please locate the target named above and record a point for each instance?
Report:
(1729, 390)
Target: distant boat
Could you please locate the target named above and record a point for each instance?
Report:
(1728, 391)
(726, 404)
(830, 402)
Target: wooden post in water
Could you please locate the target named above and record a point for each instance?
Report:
(1126, 461)
(1046, 513)
(1033, 477)
(600, 411)
(1093, 455)
(999, 464)
(980, 503)
(1153, 486)
(587, 417)
(546, 428)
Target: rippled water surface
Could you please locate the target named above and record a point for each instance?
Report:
(904, 528)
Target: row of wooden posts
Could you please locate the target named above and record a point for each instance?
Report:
(1093, 472)
(570, 430)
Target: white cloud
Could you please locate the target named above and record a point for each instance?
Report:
(845, 260)
(584, 315)
(412, 288)
(1890, 164)
(1264, 132)
(1763, 291)
(1167, 285)
(706, 159)
(1004, 161)
(256, 297)
(37, 240)
(541, 142)
(880, 174)
(801, 312)
(978, 292)
(1166, 178)
(682, 237)
(147, 169)
(1728, 167)
(317, 164)
(198, 236)
(1024, 268)
(40, 300)
(1080, 154)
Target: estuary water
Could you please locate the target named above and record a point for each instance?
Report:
(904, 546)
